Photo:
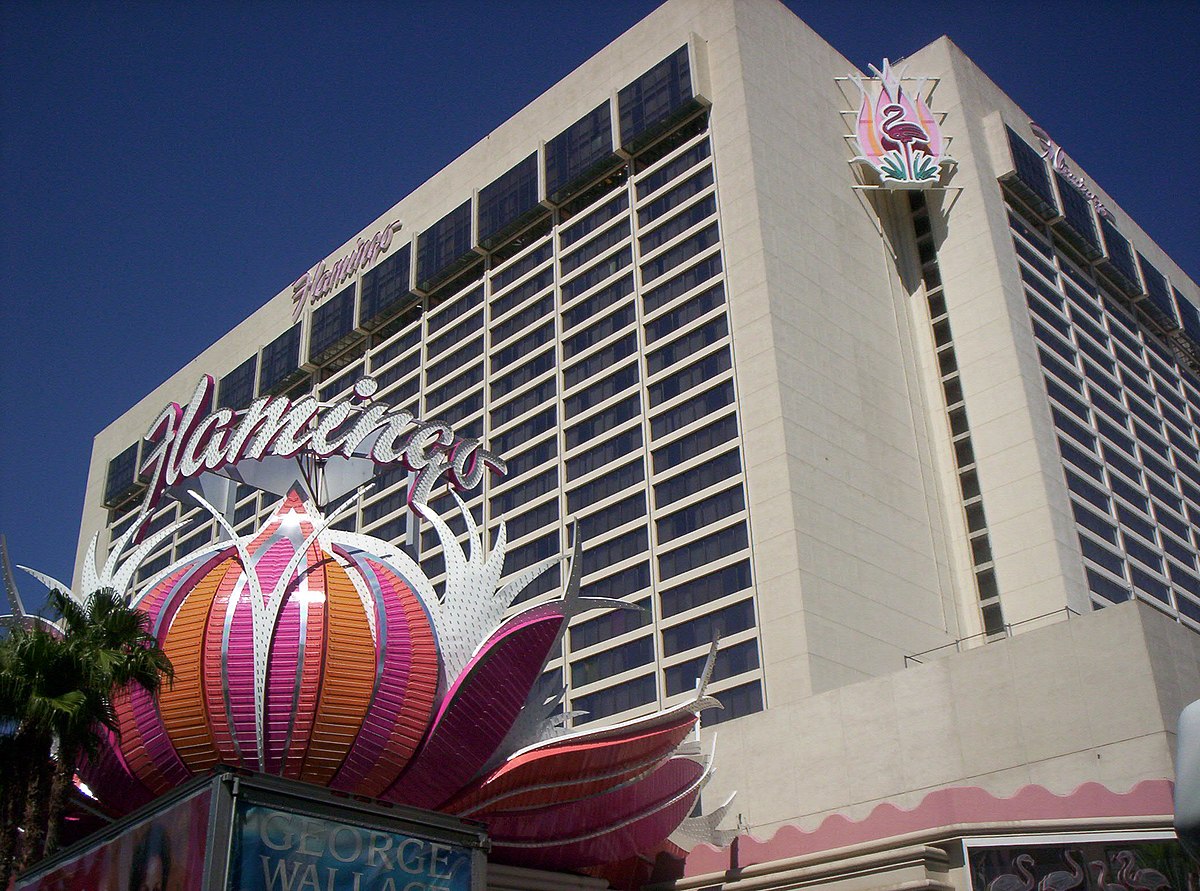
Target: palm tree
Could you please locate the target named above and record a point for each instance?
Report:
(38, 689)
(59, 687)
(113, 646)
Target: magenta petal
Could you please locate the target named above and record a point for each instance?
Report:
(634, 819)
(479, 709)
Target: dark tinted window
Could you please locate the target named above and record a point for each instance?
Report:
(385, 286)
(121, 473)
(279, 359)
(700, 630)
(508, 200)
(237, 387)
(578, 151)
(1119, 253)
(707, 588)
(1031, 168)
(443, 245)
(617, 621)
(330, 322)
(655, 98)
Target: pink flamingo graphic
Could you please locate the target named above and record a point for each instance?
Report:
(903, 132)
(1022, 880)
(1139, 879)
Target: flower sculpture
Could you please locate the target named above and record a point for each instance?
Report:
(327, 657)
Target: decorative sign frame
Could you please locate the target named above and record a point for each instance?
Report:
(898, 137)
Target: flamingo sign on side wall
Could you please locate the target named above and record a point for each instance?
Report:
(899, 138)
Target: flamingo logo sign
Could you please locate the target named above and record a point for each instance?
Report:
(898, 136)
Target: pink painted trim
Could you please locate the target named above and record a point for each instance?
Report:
(943, 807)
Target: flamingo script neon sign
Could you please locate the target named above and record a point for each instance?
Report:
(1058, 160)
(192, 440)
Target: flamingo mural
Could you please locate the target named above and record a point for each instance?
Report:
(897, 134)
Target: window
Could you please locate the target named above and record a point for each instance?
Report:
(519, 495)
(701, 630)
(694, 185)
(441, 343)
(692, 342)
(473, 349)
(523, 374)
(700, 477)
(734, 660)
(617, 549)
(597, 332)
(122, 472)
(530, 521)
(507, 201)
(737, 701)
(527, 401)
(527, 430)
(700, 304)
(705, 589)
(385, 286)
(700, 514)
(695, 443)
(625, 696)
(652, 182)
(457, 384)
(617, 233)
(518, 268)
(522, 320)
(615, 383)
(681, 253)
(692, 376)
(1031, 168)
(592, 276)
(237, 387)
(614, 622)
(605, 485)
(531, 458)
(610, 662)
(587, 369)
(603, 421)
(449, 312)
(568, 235)
(601, 300)
(280, 358)
(528, 554)
(692, 410)
(704, 550)
(678, 224)
(518, 349)
(618, 585)
(625, 511)
(442, 247)
(331, 322)
(578, 152)
(681, 284)
(612, 448)
(655, 98)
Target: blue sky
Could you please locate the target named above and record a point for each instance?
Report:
(165, 168)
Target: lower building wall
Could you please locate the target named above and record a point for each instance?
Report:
(1092, 699)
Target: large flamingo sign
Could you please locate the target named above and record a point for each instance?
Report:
(898, 136)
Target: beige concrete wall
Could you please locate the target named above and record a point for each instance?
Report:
(1093, 699)
(847, 547)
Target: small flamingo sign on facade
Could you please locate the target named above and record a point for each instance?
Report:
(899, 138)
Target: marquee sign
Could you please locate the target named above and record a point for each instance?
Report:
(316, 284)
(898, 137)
(1053, 153)
(194, 440)
(277, 849)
